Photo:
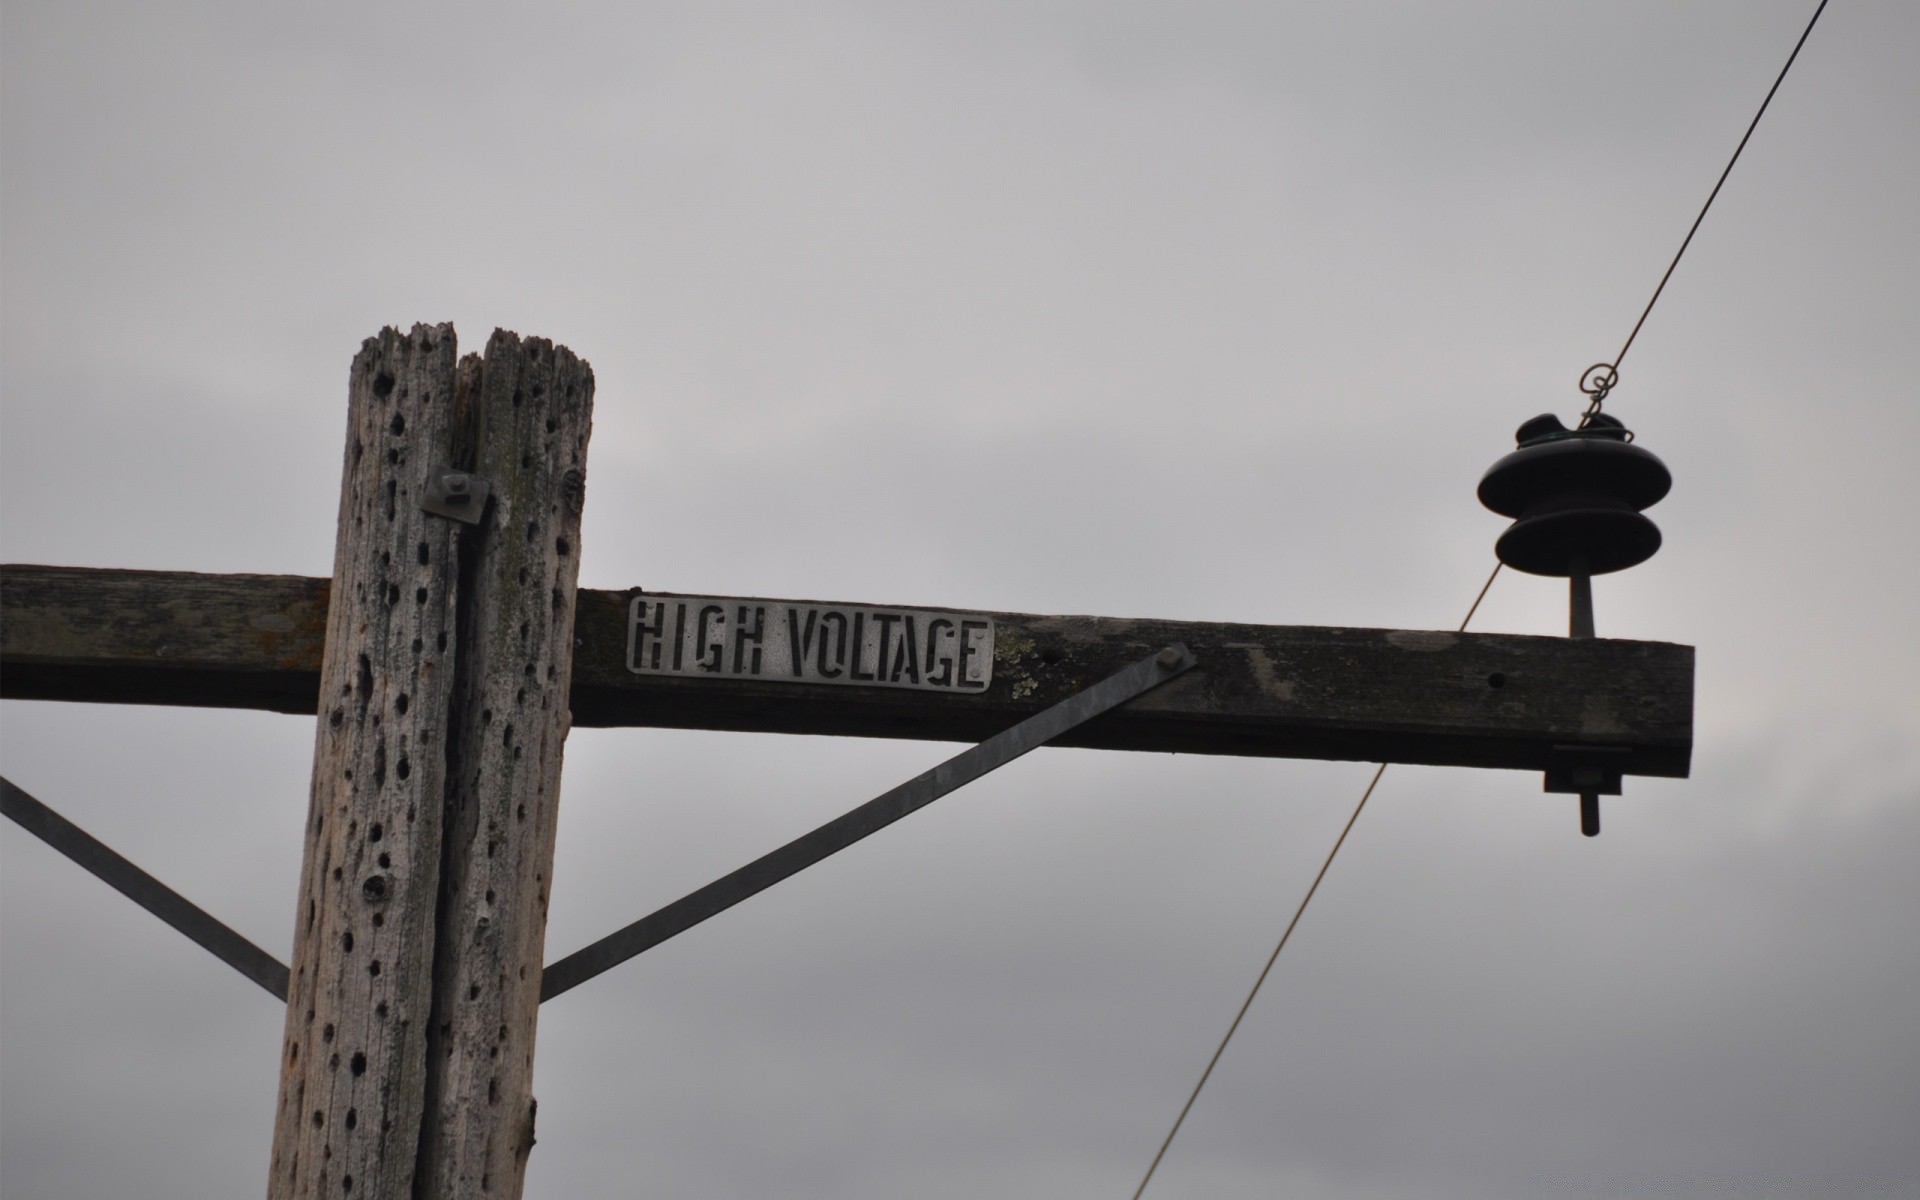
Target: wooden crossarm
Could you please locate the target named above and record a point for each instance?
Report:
(1478, 699)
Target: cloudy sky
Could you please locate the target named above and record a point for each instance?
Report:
(1215, 310)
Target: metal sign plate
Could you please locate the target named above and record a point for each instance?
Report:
(706, 636)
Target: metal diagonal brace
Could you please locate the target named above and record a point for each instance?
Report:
(871, 817)
(143, 889)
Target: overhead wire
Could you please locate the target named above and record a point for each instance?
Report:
(1597, 381)
(1297, 914)
(1610, 372)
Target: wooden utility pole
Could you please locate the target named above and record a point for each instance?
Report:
(407, 1067)
(451, 650)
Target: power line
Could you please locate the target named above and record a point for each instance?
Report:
(1595, 385)
(1609, 373)
(1297, 913)
(1248, 1003)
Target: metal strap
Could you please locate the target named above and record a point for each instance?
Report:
(871, 817)
(143, 889)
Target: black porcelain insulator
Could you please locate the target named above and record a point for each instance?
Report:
(1577, 495)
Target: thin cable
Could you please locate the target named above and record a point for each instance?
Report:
(1612, 372)
(1271, 959)
(1596, 381)
(1482, 596)
(1297, 914)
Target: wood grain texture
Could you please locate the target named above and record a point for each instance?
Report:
(353, 1068)
(1263, 690)
(533, 403)
(1372, 695)
(162, 637)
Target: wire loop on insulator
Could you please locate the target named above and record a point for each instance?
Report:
(1596, 381)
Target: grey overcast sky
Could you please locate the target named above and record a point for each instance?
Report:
(1211, 310)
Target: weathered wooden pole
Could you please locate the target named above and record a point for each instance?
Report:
(407, 1065)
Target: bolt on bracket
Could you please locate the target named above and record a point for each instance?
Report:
(456, 495)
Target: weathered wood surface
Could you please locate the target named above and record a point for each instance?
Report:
(1486, 700)
(162, 637)
(443, 677)
(354, 1063)
(533, 403)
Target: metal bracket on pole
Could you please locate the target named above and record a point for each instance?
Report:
(143, 889)
(871, 817)
(456, 495)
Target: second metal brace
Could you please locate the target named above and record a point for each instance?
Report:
(870, 818)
